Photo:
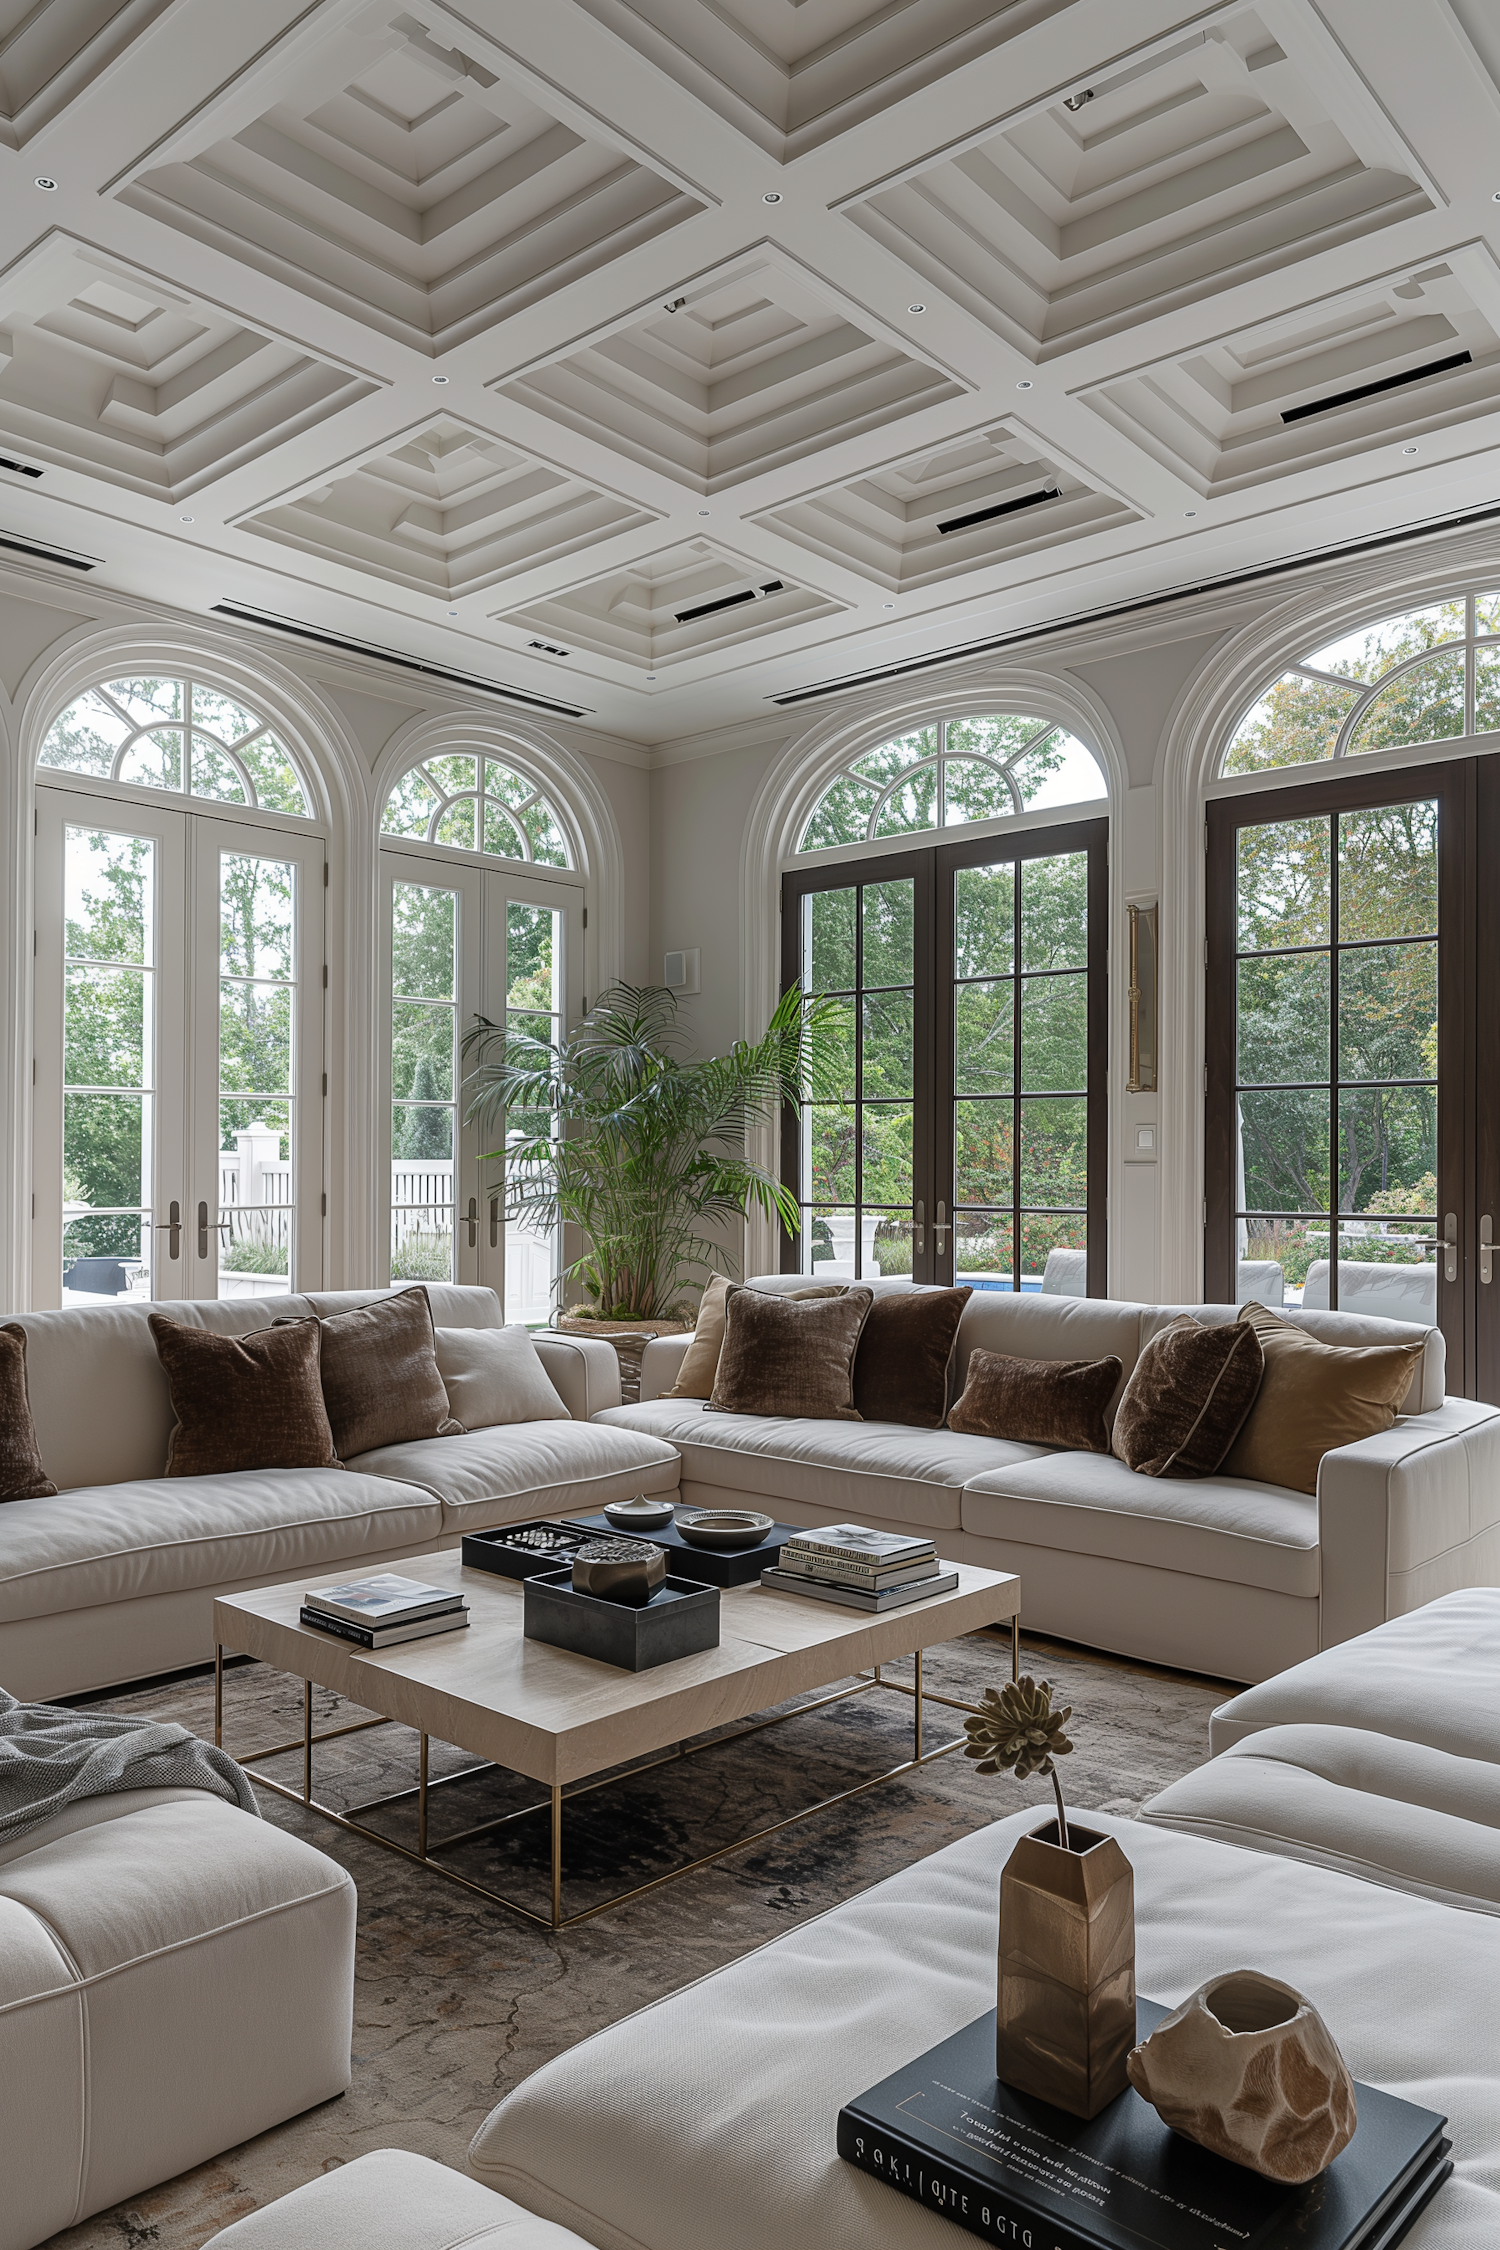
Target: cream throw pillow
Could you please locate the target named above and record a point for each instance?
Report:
(495, 1375)
(700, 1362)
(1313, 1397)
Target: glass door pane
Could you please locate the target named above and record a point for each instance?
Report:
(426, 927)
(108, 1148)
(534, 954)
(256, 1204)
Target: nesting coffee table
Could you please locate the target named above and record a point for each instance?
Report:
(565, 1720)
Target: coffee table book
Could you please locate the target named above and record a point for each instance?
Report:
(450, 1620)
(856, 1597)
(1010, 2168)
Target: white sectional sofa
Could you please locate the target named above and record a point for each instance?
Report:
(114, 1577)
(1216, 1575)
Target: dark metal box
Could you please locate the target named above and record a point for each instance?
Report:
(509, 1553)
(681, 1618)
(710, 1566)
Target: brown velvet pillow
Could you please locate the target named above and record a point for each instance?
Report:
(22, 1476)
(1184, 1405)
(244, 1402)
(790, 1355)
(901, 1369)
(381, 1382)
(1314, 1397)
(700, 1362)
(1059, 1402)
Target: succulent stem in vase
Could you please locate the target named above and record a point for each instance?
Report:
(1019, 1732)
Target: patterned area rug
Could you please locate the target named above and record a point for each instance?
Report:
(456, 2001)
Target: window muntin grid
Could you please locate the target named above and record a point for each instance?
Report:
(472, 803)
(167, 731)
(1422, 675)
(949, 774)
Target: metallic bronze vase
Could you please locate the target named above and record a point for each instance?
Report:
(620, 1570)
(1066, 2017)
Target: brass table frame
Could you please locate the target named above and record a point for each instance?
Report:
(354, 1823)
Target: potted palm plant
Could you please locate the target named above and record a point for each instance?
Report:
(610, 1131)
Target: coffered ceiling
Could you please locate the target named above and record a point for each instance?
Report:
(662, 357)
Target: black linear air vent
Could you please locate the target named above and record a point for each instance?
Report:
(19, 468)
(243, 614)
(729, 601)
(1001, 508)
(549, 648)
(1373, 390)
(14, 546)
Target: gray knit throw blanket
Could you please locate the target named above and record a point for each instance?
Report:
(51, 1757)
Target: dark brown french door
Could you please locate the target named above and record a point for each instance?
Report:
(967, 1138)
(1353, 1021)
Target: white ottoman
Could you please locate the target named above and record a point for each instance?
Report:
(393, 2201)
(708, 2119)
(175, 1976)
(1392, 1812)
(1431, 1676)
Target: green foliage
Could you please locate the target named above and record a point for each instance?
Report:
(250, 1256)
(426, 1134)
(607, 1130)
(423, 1257)
(1297, 720)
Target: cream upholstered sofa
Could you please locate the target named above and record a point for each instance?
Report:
(114, 1578)
(1217, 1575)
(175, 1976)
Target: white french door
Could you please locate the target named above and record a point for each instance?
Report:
(178, 1121)
(462, 941)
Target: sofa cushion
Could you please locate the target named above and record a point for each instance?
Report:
(22, 1476)
(116, 1542)
(853, 1470)
(1209, 1527)
(752, 2063)
(901, 1367)
(392, 2200)
(1392, 1812)
(244, 1402)
(380, 1374)
(1034, 1327)
(700, 1362)
(1183, 1407)
(1432, 1676)
(1313, 1397)
(1054, 1402)
(1426, 1389)
(560, 1468)
(492, 1376)
(790, 1355)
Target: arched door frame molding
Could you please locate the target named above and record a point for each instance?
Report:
(785, 800)
(336, 774)
(1212, 703)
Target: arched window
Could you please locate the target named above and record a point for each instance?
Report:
(166, 732)
(953, 772)
(475, 804)
(1391, 685)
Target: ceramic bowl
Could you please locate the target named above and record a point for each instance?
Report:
(640, 1514)
(724, 1527)
(619, 1570)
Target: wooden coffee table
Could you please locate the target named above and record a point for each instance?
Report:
(561, 1719)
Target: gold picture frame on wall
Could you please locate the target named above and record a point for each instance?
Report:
(1142, 1079)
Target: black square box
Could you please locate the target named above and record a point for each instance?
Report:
(681, 1618)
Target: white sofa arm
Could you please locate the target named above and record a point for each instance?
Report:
(583, 1370)
(1413, 1496)
(661, 1364)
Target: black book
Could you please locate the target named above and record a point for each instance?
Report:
(1011, 2168)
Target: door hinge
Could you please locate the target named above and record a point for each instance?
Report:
(585, 917)
(325, 976)
(33, 1070)
(325, 1203)
(1205, 953)
(33, 1207)
(1205, 1210)
(36, 820)
(325, 874)
(325, 1085)
(33, 945)
(1205, 1078)
(1205, 835)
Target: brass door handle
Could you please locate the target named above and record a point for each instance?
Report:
(172, 1225)
(1450, 1246)
(473, 1222)
(494, 1222)
(205, 1228)
(942, 1228)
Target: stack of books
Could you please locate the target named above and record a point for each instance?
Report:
(379, 1612)
(860, 1569)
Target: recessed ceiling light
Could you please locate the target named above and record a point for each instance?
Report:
(42, 181)
(916, 308)
(1024, 384)
(1408, 449)
(887, 605)
(703, 511)
(1188, 514)
(1495, 198)
(184, 519)
(453, 613)
(651, 675)
(772, 195)
(440, 378)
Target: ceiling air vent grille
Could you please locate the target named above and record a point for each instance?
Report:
(245, 615)
(1001, 508)
(14, 546)
(728, 601)
(1373, 390)
(19, 468)
(549, 648)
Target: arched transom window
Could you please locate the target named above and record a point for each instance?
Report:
(166, 732)
(952, 772)
(475, 804)
(1424, 676)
